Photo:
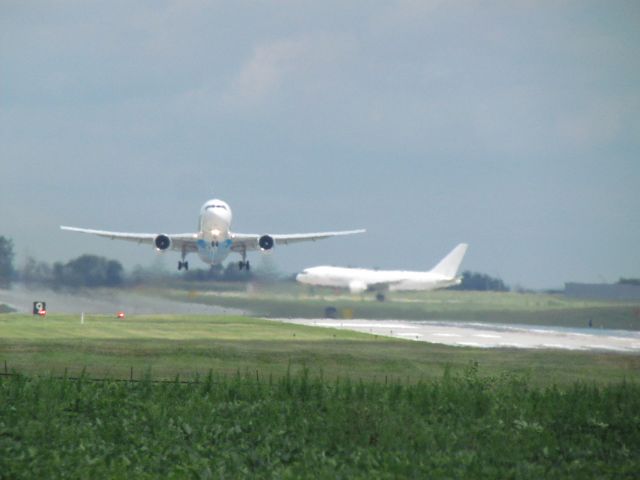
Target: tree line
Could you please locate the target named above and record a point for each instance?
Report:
(480, 282)
(86, 270)
(96, 271)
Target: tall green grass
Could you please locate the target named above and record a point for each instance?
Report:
(459, 426)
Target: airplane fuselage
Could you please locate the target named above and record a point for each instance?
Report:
(214, 238)
(359, 279)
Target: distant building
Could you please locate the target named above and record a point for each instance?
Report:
(602, 291)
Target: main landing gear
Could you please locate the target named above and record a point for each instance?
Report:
(183, 263)
(244, 263)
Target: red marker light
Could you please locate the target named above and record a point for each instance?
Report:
(42, 313)
(120, 314)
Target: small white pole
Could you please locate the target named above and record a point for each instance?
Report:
(82, 319)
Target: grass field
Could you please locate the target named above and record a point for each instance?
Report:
(265, 399)
(498, 307)
(189, 346)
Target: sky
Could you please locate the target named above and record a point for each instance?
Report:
(512, 126)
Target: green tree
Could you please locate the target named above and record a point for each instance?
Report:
(480, 281)
(6, 261)
(88, 271)
(35, 272)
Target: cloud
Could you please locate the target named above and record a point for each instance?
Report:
(305, 64)
(265, 71)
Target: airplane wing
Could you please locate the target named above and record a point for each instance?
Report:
(251, 241)
(180, 241)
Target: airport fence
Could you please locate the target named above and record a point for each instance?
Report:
(216, 377)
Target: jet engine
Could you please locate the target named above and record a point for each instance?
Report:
(162, 242)
(265, 242)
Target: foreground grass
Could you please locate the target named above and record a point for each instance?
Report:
(458, 426)
(192, 345)
(496, 307)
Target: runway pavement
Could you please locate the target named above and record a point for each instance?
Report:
(486, 335)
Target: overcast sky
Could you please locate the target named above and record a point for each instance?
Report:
(513, 126)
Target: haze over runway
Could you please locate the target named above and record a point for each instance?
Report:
(104, 302)
(512, 127)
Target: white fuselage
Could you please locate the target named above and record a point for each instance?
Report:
(357, 280)
(214, 238)
(360, 279)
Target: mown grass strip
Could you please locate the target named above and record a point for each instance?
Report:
(190, 346)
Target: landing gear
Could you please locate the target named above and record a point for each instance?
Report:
(183, 264)
(244, 263)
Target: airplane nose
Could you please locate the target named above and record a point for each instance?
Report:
(218, 215)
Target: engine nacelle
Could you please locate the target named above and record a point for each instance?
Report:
(162, 242)
(266, 242)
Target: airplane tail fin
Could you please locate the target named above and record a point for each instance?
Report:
(449, 265)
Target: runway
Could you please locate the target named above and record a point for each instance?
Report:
(486, 335)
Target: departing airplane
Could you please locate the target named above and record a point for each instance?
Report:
(358, 280)
(214, 241)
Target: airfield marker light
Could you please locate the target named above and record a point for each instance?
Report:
(121, 315)
(38, 306)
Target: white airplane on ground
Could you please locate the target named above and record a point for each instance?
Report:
(358, 280)
(213, 241)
